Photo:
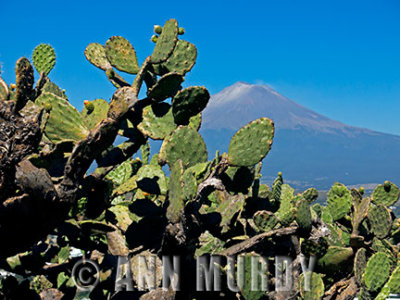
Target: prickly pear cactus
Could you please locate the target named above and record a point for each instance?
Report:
(44, 58)
(121, 55)
(186, 144)
(251, 143)
(316, 288)
(339, 201)
(386, 194)
(86, 186)
(377, 271)
(265, 220)
(64, 121)
(380, 220)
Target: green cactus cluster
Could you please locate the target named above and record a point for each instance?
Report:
(98, 198)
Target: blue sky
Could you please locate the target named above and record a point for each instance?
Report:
(340, 58)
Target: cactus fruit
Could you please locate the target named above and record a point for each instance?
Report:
(154, 38)
(96, 54)
(377, 271)
(360, 262)
(166, 86)
(316, 290)
(181, 31)
(387, 194)
(380, 220)
(166, 42)
(65, 122)
(157, 29)
(265, 220)
(44, 58)
(339, 201)
(251, 143)
(121, 54)
(183, 143)
(361, 190)
(188, 103)
(94, 111)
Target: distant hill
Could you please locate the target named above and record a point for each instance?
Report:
(309, 148)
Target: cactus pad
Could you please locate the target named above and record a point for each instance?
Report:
(230, 209)
(394, 281)
(120, 174)
(44, 58)
(334, 258)
(96, 54)
(166, 42)
(158, 121)
(314, 248)
(310, 195)
(24, 82)
(317, 287)
(166, 87)
(4, 91)
(121, 54)
(361, 210)
(251, 143)
(286, 211)
(265, 220)
(380, 220)
(51, 87)
(276, 187)
(303, 215)
(189, 102)
(189, 184)
(175, 193)
(151, 179)
(360, 262)
(181, 60)
(386, 194)
(339, 201)
(64, 122)
(145, 152)
(377, 271)
(184, 143)
(209, 244)
(93, 116)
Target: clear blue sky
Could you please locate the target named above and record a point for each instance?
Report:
(340, 58)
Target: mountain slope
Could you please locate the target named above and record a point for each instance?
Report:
(309, 148)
